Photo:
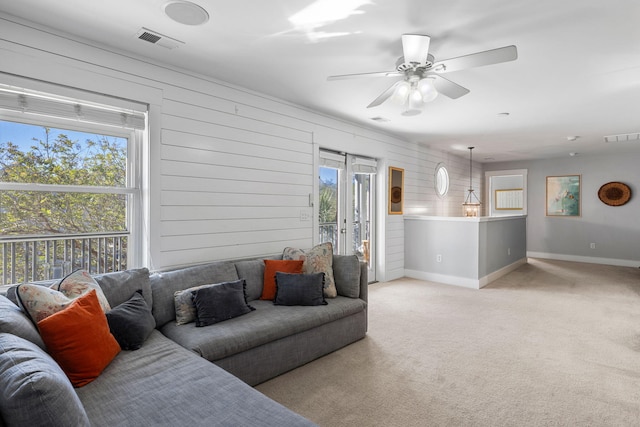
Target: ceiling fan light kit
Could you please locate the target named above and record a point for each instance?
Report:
(421, 74)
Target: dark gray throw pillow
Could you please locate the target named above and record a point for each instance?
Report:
(131, 322)
(299, 289)
(220, 302)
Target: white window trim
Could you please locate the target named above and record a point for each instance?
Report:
(136, 138)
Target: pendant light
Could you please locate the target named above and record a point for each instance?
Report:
(471, 205)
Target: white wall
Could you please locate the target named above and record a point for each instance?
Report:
(230, 169)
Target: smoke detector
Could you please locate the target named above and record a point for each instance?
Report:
(157, 38)
(186, 12)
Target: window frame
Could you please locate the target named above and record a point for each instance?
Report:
(441, 167)
(133, 184)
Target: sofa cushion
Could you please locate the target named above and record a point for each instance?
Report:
(346, 273)
(119, 286)
(252, 271)
(267, 323)
(220, 302)
(15, 321)
(299, 289)
(318, 259)
(164, 284)
(163, 384)
(78, 338)
(35, 391)
(40, 302)
(271, 267)
(131, 322)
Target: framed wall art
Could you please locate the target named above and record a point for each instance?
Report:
(396, 190)
(509, 199)
(563, 195)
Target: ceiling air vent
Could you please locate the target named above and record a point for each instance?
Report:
(157, 38)
(625, 137)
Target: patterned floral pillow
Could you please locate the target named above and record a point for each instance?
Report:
(40, 302)
(185, 308)
(318, 259)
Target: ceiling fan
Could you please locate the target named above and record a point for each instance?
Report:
(421, 80)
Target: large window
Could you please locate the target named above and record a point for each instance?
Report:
(70, 192)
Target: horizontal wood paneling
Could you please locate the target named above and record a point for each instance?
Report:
(231, 169)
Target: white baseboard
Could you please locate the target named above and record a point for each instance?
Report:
(464, 282)
(587, 259)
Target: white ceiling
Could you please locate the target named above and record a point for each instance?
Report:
(577, 72)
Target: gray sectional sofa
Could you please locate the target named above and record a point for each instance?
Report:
(182, 374)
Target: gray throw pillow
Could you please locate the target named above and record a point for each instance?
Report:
(131, 322)
(34, 390)
(220, 302)
(299, 289)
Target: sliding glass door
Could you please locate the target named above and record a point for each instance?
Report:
(347, 205)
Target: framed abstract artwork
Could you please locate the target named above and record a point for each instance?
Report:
(396, 190)
(563, 195)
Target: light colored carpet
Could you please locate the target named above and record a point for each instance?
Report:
(551, 344)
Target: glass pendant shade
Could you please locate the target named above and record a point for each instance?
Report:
(415, 99)
(471, 205)
(427, 90)
(401, 93)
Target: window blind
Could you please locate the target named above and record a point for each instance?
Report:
(332, 160)
(32, 102)
(364, 165)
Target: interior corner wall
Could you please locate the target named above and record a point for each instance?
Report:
(615, 231)
(230, 169)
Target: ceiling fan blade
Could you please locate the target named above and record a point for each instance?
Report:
(480, 59)
(358, 75)
(384, 95)
(448, 88)
(415, 48)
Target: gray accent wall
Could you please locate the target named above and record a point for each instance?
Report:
(615, 231)
(468, 252)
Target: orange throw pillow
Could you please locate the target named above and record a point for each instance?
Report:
(271, 267)
(78, 338)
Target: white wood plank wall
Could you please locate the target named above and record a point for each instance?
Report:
(231, 169)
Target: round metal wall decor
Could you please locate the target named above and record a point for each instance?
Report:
(614, 193)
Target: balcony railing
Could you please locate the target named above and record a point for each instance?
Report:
(34, 258)
(329, 233)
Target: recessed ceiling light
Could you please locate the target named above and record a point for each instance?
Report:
(185, 12)
(572, 138)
